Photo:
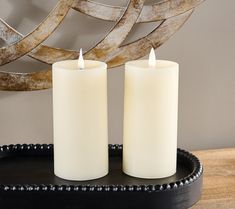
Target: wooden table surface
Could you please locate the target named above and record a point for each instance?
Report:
(219, 179)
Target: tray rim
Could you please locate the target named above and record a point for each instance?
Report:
(114, 149)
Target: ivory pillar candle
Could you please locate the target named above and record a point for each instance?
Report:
(150, 118)
(80, 120)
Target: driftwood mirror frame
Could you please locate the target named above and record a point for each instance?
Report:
(172, 14)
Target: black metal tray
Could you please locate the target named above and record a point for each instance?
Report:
(27, 181)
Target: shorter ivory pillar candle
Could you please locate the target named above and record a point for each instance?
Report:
(80, 119)
(150, 118)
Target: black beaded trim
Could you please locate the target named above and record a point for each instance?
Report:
(114, 150)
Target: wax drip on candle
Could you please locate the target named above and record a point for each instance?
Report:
(152, 58)
(81, 64)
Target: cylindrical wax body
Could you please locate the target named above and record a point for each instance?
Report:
(80, 120)
(150, 119)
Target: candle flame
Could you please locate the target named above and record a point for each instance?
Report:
(152, 58)
(81, 63)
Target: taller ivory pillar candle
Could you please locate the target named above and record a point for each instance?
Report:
(150, 118)
(80, 119)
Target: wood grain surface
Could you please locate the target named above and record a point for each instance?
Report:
(219, 179)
